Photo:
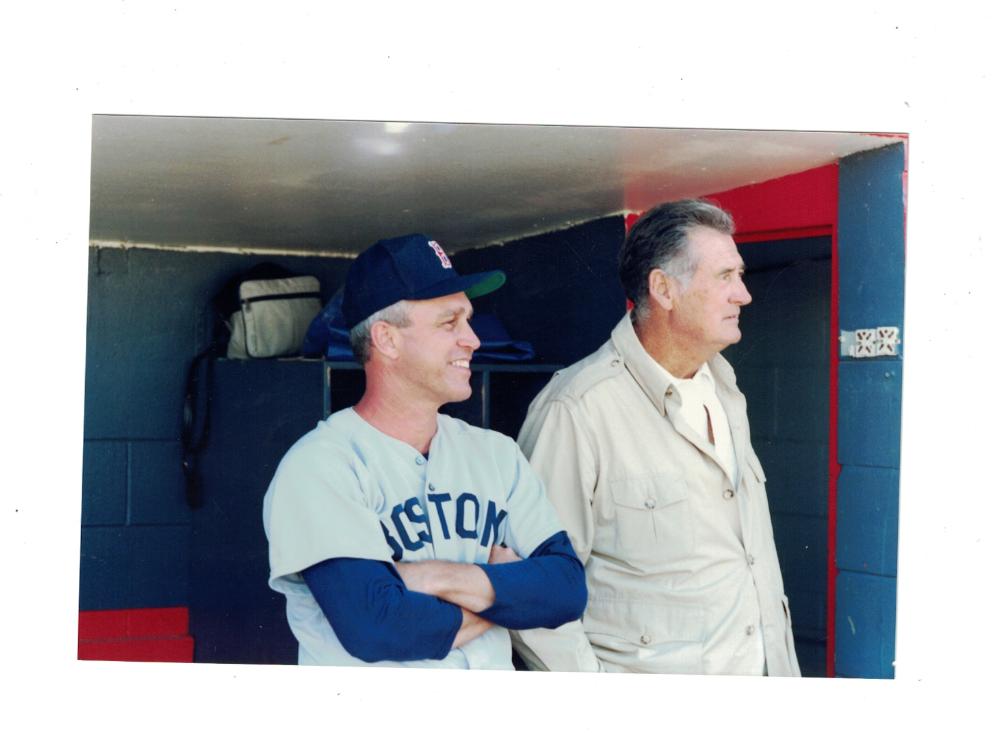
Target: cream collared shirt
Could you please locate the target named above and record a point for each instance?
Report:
(675, 586)
(699, 406)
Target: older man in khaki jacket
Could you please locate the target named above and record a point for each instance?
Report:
(644, 448)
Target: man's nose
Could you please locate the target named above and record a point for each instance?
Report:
(468, 338)
(742, 294)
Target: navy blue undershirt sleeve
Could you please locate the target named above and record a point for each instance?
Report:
(374, 615)
(545, 590)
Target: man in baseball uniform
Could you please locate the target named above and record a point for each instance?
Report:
(645, 450)
(400, 536)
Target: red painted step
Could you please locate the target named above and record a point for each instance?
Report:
(139, 634)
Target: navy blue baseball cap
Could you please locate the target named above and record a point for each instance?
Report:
(411, 267)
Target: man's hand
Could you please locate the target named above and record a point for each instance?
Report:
(458, 582)
(502, 555)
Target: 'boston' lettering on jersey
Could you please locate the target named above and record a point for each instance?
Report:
(410, 522)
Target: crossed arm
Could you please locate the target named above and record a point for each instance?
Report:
(421, 610)
(465, 585)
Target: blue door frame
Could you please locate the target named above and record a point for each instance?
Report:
(871, 253)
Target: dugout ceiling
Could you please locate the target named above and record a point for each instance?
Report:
(331, 187)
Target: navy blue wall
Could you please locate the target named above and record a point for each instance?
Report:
(562, 292)
(871, 242)
(782, 367)
(148, 315)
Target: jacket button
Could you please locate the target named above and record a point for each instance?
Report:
(645, 639)
(750, 557)
(431, 487)
(750, 630)
(728, 493)
(649, 503)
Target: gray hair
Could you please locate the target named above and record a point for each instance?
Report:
(659, 240)
(396, 314)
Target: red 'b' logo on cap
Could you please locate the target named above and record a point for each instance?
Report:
(445, 262)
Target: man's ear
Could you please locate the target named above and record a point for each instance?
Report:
(385, 339)
(661, 288)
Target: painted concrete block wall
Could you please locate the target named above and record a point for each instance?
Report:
(148, 315)
(871, 245)
(782, 367)
(562, 291)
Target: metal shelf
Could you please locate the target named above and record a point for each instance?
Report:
(485, 369)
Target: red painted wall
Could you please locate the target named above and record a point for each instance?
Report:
(784, 208)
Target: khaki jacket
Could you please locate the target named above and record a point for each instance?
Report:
(671, 587)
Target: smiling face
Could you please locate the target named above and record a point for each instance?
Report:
(706, 314)
(435, 349)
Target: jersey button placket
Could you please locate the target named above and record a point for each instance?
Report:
(425, 504)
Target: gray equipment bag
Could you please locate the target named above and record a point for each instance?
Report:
(266, 311)
(273, 318)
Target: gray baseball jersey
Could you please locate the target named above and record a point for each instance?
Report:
(347, 490)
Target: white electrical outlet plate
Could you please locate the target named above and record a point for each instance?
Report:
(887, 341)
(870, 342)
(866, 343)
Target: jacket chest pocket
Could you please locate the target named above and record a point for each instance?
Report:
(755, 484)
(653, 521)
